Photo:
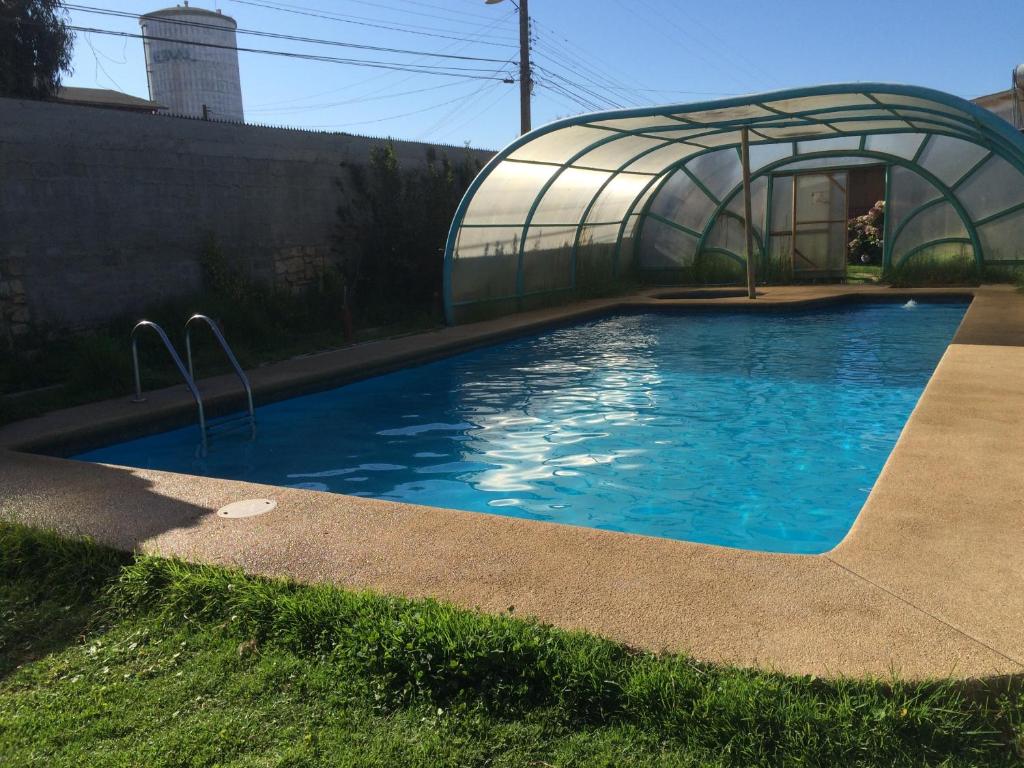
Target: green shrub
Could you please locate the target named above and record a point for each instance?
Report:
(927, 270)
(392, 229)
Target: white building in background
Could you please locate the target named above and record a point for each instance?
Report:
(1008, 104)
(192, 62)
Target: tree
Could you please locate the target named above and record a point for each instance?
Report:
(35, 47)
(391, 230)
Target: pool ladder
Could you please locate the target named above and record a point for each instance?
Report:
(188, 374)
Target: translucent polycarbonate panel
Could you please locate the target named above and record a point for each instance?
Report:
(994, 187)
(780, 249)
(627, 249)
(613, 155)
(758, 200)
(637, 123)
(766, 153)
(641, 202)
(950, 158)
(932, 120)
(782, 204)
(664, 247)
(857, 127)
(897, 99)
(728, 234)
(827, 162)
(678, 133)
(825, 101)
(820, 249)
(821, 197)
(907, 192)
(547, 259)
(600, 233)
(828, 145)
(559, 145)
(727, 114)
(720, 139)
(1001, 238)
(598, 259)
(900, 144)
(857, 114)
(719, 171)
(615, 199)
(943, 252)
(506, 195)
(485, 264)
(683, 201)
(796, 131)
(934, 223)
(660, 159)
(567, 198)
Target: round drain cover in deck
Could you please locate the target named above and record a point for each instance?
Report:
(246, 508)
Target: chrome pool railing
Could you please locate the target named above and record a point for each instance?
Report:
(189, 381)
(231, 359)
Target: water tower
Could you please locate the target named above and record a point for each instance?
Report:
(192, 62)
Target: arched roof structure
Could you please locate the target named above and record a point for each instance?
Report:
(566, 204)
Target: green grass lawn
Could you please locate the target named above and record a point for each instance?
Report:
(863, 273)
(107, 660)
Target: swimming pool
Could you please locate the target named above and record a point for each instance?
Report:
(763, 431)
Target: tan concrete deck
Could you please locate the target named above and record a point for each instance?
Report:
(929, 582)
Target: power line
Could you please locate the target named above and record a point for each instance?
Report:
(470, 118)
(555, 58)
(565, 92)
(585, 59)
(449, 71)
(757, 69)
(280, 36)
(598, 95)
(597, 99)
(463, 97)
(362, 99)
(405, 28)
(456, 14)
(457, 45)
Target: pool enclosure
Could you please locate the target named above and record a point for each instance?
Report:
(589, 202)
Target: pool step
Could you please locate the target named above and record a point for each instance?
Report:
(229, 423)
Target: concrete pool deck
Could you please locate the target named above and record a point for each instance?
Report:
(929, 581)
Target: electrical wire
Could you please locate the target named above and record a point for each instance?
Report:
(447, 71)
(278, 35)
(407, 29)
(362, 99)
(461, 98)
(458, 46)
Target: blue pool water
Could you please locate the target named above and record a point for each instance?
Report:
(760, 431)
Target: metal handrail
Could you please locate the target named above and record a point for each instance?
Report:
(227, 351)
(186, 375)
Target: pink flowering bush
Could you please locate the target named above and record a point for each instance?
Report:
(865, 233)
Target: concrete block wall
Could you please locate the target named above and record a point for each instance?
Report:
(103, 212)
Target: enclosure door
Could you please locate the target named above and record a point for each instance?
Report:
(819, 225)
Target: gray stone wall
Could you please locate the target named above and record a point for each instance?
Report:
(104, 212)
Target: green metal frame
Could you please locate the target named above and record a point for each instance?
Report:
(967, 122)
(944, 190)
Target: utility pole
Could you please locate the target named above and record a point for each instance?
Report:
(525, 74)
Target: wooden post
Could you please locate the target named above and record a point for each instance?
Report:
(748, 225)
(525, 74)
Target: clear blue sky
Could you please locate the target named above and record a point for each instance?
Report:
(629, 51)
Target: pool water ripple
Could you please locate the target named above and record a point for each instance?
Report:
(761, 431)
